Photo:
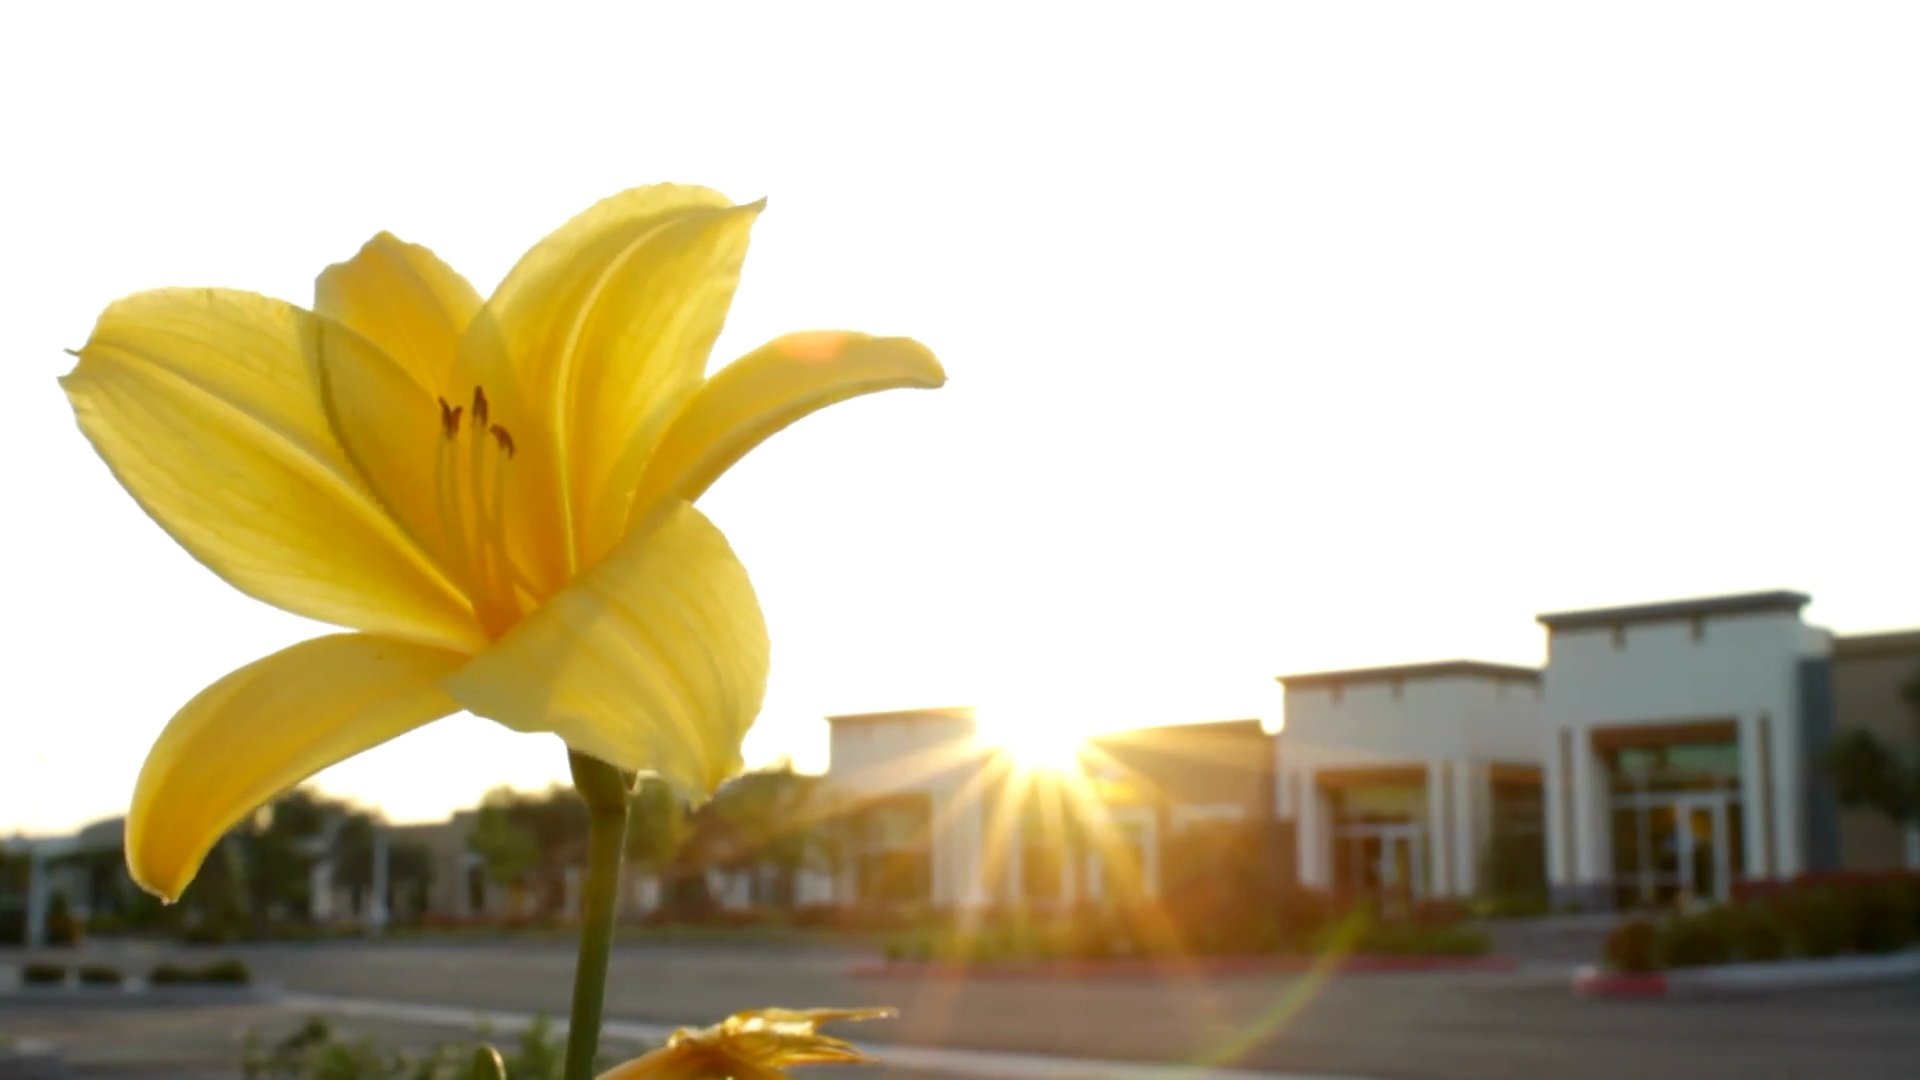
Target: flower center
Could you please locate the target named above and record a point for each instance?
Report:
(470, 494)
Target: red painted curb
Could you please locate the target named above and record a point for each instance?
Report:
(1176, 968)
(1588, 982)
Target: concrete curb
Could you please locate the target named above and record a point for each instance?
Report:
(30, 1059)
(1772, 977)
(1182, 967)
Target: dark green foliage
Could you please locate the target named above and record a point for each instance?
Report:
(1883, 918)
(41, 973)
(217, 973)
(1816, 916)
(1308, 923)
(1414, 939)
(1760, 931)
(1823, 923)
(62, 928)
(1634, 946)
(1868, 772)
(1697, 939)
(101, 975)
(1515, 866)
(316, 1052)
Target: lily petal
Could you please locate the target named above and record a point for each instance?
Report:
(206, 405)
(265, 728)
(403, 299)
(655, 660)
(749, 1046)
(764, 391)
(608, 325)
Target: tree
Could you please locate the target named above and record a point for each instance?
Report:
(765, 818)
(508, 850)
(1870, 773)
(657, 825)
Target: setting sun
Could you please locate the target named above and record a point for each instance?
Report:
(1034, 744)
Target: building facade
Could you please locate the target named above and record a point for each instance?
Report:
(1662, 753)
(1676, 743)
(927, 814)
(1413, 779)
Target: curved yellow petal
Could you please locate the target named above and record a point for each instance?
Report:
(265, 728)
(749, 1046)
(655, 660)
(384, 402)
(600, 332)
(763, 392)
(403, 299)
(206, 405)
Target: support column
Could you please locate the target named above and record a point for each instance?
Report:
(1589, 841)
(377, 910)
(39, 896)
(1554, 806)
(1439, 829)
(1310, 840)
(974, 892)
(1469, 790)
(1150, 857)
(320, 890)
(1013, 881)
(1755, 807)
(940, 849)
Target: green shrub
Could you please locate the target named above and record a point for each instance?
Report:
(101, 975)
(1823, 923)
(62, 928)
(1413, 939)
(169, 974)
(1697, 939)
(1760, 931)
(220, 972)
(1457, 941)
(106, 923)
(1633, 946)
(1513, 906)
(41, 973)
(1882, 918)
(315, 1052)
(228, 972)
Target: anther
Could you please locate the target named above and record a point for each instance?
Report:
(480, 410)
(449, 418)
(505, 440)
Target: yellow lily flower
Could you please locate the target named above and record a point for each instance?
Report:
(497, 496)
(748, 1046)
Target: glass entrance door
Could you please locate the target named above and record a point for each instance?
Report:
(1400, 861)
(1703, 846)
(1387, 860)
(1678, 848)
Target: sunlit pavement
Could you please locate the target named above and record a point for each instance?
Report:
(1522, 1023)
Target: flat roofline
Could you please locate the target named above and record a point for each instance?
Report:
(1236, 727)
(1880, 643)
(1440, 669)
(943, 712)
(1780, 600)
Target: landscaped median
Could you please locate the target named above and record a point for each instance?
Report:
(1594, 981)
(1298, 932)
(1814, 931)
(1180, 967)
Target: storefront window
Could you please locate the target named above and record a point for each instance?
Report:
(1675, 819)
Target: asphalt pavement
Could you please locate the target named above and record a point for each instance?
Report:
(1487, 1024)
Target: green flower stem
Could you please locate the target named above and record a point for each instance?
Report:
(605, 792)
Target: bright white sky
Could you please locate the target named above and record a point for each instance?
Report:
(1281, 337)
